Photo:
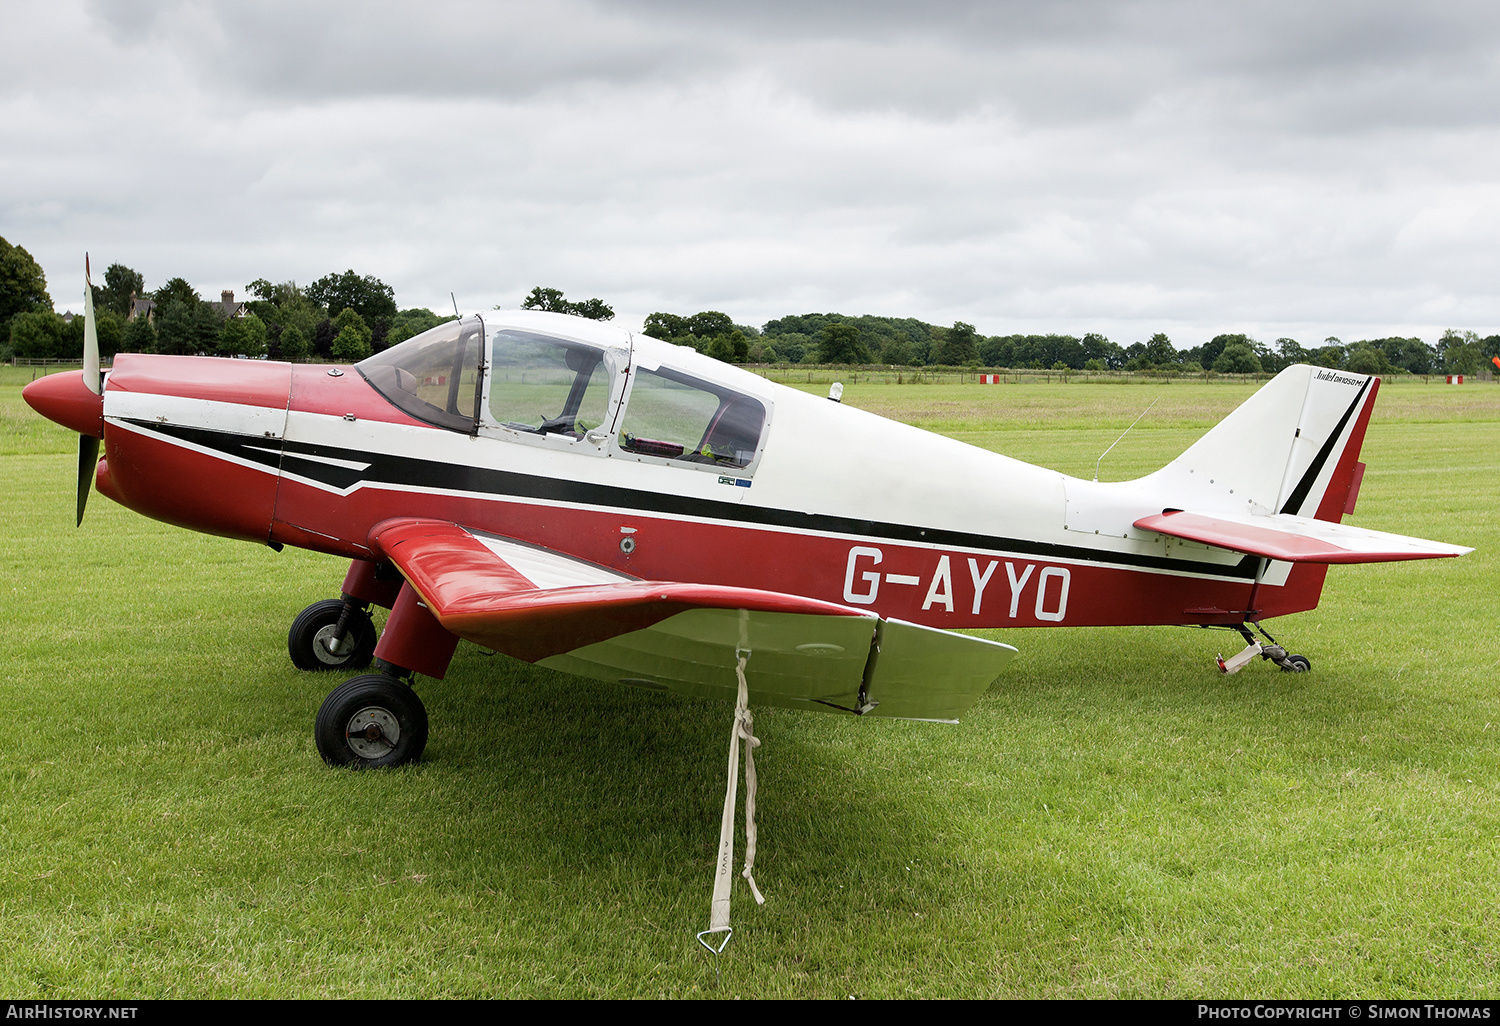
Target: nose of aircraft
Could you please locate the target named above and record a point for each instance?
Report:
(64, 398)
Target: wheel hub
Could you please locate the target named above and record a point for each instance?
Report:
(372, 732)
(330, 647)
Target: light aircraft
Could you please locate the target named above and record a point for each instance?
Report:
(585, 498)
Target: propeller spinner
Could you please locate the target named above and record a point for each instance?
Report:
(76, 399)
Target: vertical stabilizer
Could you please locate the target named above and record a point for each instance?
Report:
(1292, 447)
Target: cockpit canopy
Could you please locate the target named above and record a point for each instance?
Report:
(520, 383)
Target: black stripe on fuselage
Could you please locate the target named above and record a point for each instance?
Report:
(411, 472)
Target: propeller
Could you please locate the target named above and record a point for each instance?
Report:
(88, 445)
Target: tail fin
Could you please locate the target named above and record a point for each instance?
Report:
(1292, 447)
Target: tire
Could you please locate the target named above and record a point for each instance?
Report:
(315, 625)
(1300, 664)
(369, 722)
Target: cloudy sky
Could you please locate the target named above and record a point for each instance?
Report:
(1280, 168)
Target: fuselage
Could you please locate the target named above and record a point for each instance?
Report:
(799, 495)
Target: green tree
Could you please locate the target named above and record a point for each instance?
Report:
(369, 297)
(186, 327)
(295, 310)
(263, 290)
(1289, 352)
(1459, 352)
(1367, 359)
(175, 290)
(1160, 352)
(710, 324)
(350, 345)
(139, 337)
(120, 284)
(594, 310)
(1097, 347)
(243, 336)
(1236, 358)
(23, 286)
(294, 344)
(110, 328)
(349, 318)
(897, 352)
(72, 337)
(409, 323)
(1330, 354)
(720, 349)
(552, 301)
(546, 300)
(36, 335)
(665, 326)
(840, 343)
(1208, 354)
(961, 346)
(794, 346)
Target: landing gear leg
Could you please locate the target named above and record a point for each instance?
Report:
(1272, 651)
(378, 720)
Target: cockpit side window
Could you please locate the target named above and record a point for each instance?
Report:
(545, 385)
(435, 376)
(675, 417)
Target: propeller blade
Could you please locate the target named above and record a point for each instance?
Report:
(90, 347)
(88, 461)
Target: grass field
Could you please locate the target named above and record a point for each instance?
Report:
(1113, 819)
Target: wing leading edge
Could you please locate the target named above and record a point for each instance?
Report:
(568, 614)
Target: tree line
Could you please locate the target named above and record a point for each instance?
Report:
(346, 317)
(831, 338)
(341, 318)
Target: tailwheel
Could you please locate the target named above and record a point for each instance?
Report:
(371, 721)
(1270, 650)
(1278, 654)
(332, 635)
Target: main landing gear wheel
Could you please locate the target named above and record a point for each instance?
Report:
(314, 642)
(1296, 664)
(371, 721)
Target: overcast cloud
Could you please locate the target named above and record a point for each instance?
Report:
(1125, 167)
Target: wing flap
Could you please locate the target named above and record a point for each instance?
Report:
(568, 614)
(1294, 539)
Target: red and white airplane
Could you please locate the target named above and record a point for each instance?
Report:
(601, 502)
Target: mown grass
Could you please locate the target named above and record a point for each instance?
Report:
(1113, 819)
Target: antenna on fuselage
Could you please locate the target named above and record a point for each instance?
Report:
(455, 306)
(1122, 436)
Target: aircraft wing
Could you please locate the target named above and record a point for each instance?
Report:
(1295, 539)
(551, 609)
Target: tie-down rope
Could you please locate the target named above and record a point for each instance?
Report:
(744, 725)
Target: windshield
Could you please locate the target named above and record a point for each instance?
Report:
(434, 376)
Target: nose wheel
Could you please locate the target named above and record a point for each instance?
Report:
(332, 635)
(371, 721)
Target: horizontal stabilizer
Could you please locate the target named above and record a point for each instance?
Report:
(568, 614)
(1295, 539)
